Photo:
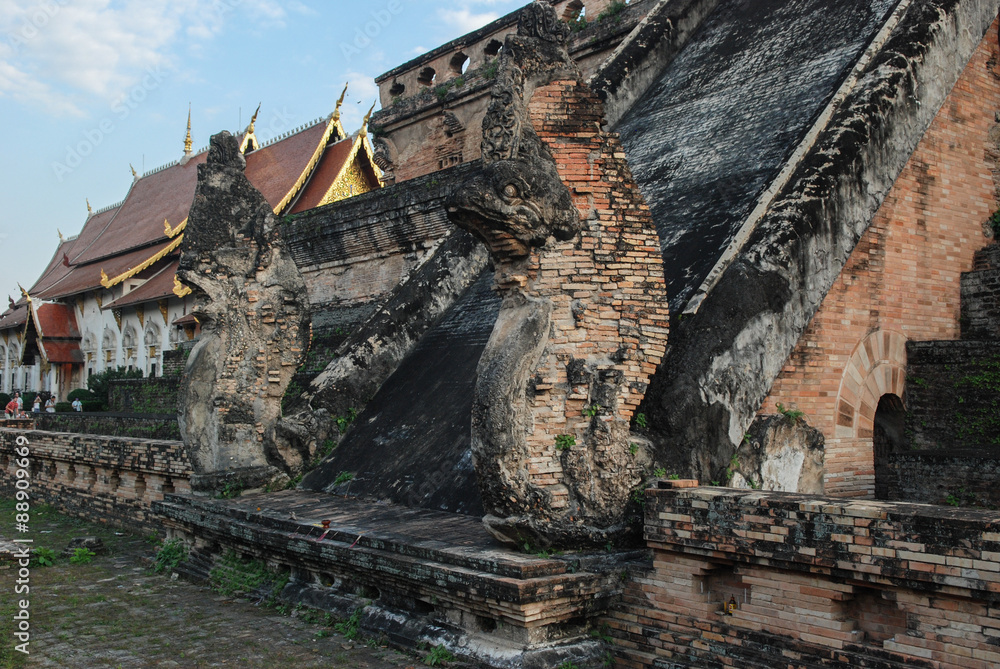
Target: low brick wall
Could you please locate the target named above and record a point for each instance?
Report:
(815, 581)
(104, 479)
(126, 425)
(149, 395)
(952, 397)
(957, 477)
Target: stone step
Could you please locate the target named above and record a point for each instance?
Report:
(441, 537)
(453, 572)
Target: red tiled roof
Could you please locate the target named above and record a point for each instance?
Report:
(124, 236)
(14, 318)
(56, 270)
(187, 319)
(53, 333)
(159, 286)
(275, 168)
(88, 277)
(323, 176)
(57, 321)
(63, 351)
(92, 229)
(166, 194)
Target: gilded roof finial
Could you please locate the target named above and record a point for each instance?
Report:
(134, 175)
(364, 124)
(187, 140)
(250, 137)
(24, 292)
(253, 120)
(89, 210)
(59, 232)
(340, 101)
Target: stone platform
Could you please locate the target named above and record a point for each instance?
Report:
(422, 576)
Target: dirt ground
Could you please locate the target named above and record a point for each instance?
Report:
(117, 612)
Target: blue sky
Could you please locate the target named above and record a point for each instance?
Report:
(89, 86)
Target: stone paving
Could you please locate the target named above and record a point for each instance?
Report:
(116, 612)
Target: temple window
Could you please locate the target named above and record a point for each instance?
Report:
(426, 76)
(459, 63)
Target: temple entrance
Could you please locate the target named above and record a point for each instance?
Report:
(888, 437)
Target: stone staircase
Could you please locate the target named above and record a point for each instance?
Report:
(953, 403)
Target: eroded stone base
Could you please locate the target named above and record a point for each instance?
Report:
(420, 576)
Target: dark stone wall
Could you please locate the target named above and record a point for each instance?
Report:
(946, 476)
(953, 394)
(725, 356)
(142, 396)
(981, 296)
(149, 426)
(174, 361)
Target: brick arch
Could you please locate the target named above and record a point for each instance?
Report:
(876, 367)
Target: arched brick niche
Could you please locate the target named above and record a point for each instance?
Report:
(876, 367)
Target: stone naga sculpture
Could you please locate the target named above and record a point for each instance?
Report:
(251, 302)
(565, 364)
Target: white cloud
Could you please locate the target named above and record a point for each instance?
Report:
(66, 54)
(465, 20)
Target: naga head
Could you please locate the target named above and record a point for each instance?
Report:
(518, 201)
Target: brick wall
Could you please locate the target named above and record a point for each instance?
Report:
(174, 360)
(354, 252)
(148, 395)
(103, 479)
(953, 394)
(815, 581)
(981, 295)
(947, 476)
(433, 126)
(900, 283)
(606, 285)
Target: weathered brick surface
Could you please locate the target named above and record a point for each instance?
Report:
(606, 286)
(104, 479)
(901, 282)
(354, 252)
(981, 300)
(967, 477)
(953, 394)
(817, 581)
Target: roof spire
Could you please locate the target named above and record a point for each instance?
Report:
(250, 137)
(364, 124)
(187, 139)
(253, 120)
(340, 101)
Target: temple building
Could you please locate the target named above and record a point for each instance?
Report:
(109, 296)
